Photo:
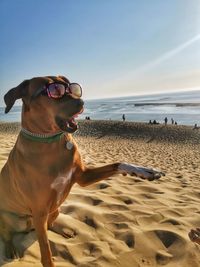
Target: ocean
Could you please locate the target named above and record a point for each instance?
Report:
(183, 107)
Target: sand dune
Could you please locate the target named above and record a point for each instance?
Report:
(124, 221)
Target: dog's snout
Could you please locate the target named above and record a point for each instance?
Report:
(80, 103)
(76, 102)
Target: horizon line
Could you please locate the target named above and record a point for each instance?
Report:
(148, 94)
(124, 96)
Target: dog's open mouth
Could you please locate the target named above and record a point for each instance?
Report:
(68, 125)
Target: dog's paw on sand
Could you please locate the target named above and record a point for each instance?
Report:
(67, 233)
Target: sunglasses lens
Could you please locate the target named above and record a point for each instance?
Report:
(75, 89)
(56, 90)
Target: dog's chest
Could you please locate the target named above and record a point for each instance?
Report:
(62, 184)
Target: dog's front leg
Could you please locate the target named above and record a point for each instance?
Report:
(92, 175)
(40, 223)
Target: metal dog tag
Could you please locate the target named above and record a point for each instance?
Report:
(69, 145)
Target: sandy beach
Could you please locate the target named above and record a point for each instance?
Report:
(124, 221)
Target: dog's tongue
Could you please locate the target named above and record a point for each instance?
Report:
(71, 125)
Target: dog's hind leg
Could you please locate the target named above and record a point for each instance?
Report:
(11, 223)
(7, 236)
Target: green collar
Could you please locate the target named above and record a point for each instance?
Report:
(41, 138)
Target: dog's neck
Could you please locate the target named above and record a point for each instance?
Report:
(42, 138)
(38, 130)
(37, 125)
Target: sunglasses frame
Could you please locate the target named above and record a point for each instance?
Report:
(67, 90)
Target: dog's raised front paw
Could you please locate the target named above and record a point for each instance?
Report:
(142, 172)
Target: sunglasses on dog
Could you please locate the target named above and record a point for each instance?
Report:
(58, 90)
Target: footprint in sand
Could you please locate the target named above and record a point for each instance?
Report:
(163, 257)
(168, 238)
(128, 238)
(90, 222)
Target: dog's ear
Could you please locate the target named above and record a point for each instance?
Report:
(14, 94)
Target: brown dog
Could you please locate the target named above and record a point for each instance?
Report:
(45, 163)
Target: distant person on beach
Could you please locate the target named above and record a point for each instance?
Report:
(176, 123)
(155, 122)
(195, 127)
(172, 120)
(123, 117)
(194, 235)
(150, 122)
(166, 120)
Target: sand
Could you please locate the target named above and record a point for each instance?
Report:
(125, 221)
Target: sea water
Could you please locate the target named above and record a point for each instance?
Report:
(183, 107)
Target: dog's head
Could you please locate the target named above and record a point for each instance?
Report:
(40, 110)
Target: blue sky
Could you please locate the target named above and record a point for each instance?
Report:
(111, 47)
